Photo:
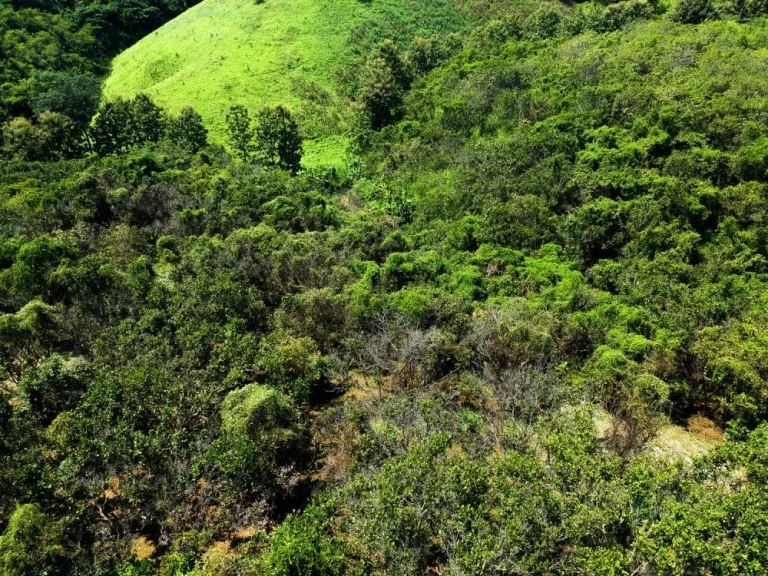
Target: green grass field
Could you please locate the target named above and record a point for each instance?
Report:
(224, 52)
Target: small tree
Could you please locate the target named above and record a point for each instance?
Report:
(188, 130)
(110, 131)
(22, 140)
(147, 120)
(240, 132)
(425, 54)
(636, 401)
(542, 24)
(387, 51)
(51, 136)
(261, 438)
(26, 337)
(75, 95)
(54, 386)
(62, 137)
(122, 123)
(381, 90)
(383, 81)
(637, 413)
(278, 142)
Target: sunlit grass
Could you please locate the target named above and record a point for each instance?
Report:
(224, 52)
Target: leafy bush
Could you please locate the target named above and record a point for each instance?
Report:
(261, 439)
(277, 139)
(32, 544)
(301, 547)
(54, 386)
(693, 11)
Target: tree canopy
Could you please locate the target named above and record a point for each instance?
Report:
(522, 330)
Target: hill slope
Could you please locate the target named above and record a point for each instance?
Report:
(223, 52)
(526, 334)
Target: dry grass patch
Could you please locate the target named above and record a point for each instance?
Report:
(142, 548)
(698, 437)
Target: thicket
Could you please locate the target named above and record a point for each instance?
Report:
(53, 52)
(217, 362)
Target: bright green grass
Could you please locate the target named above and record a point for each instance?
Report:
(225, 52)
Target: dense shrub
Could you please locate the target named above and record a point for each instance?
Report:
(260, 439)
(520, 328)
(693, 11)
(32, 544)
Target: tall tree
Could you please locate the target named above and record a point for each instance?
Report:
(278, 141)
(110, 130)
(147, 120)
(240, 132)
(188, 131)
(125, 123)
(383, 81)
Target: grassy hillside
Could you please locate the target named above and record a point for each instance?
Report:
(223, 52)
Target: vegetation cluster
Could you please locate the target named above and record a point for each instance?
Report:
(455, 354)
(54, 52)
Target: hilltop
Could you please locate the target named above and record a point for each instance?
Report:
(282, 51)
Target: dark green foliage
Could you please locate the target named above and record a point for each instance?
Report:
(26, 337)
(425, 54)
(110, 131)
(54, 386)
(30, 274)
(240, 132)
(147, 120)
(505, 338)
(271, 138)
(277, 141)
(543, 23)
(121, 23)
(693, 11)
(383, 80)
(188, 131)
(53, 52)
(613, 16)
(51, 136)
(71, 94)
(123, 124)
